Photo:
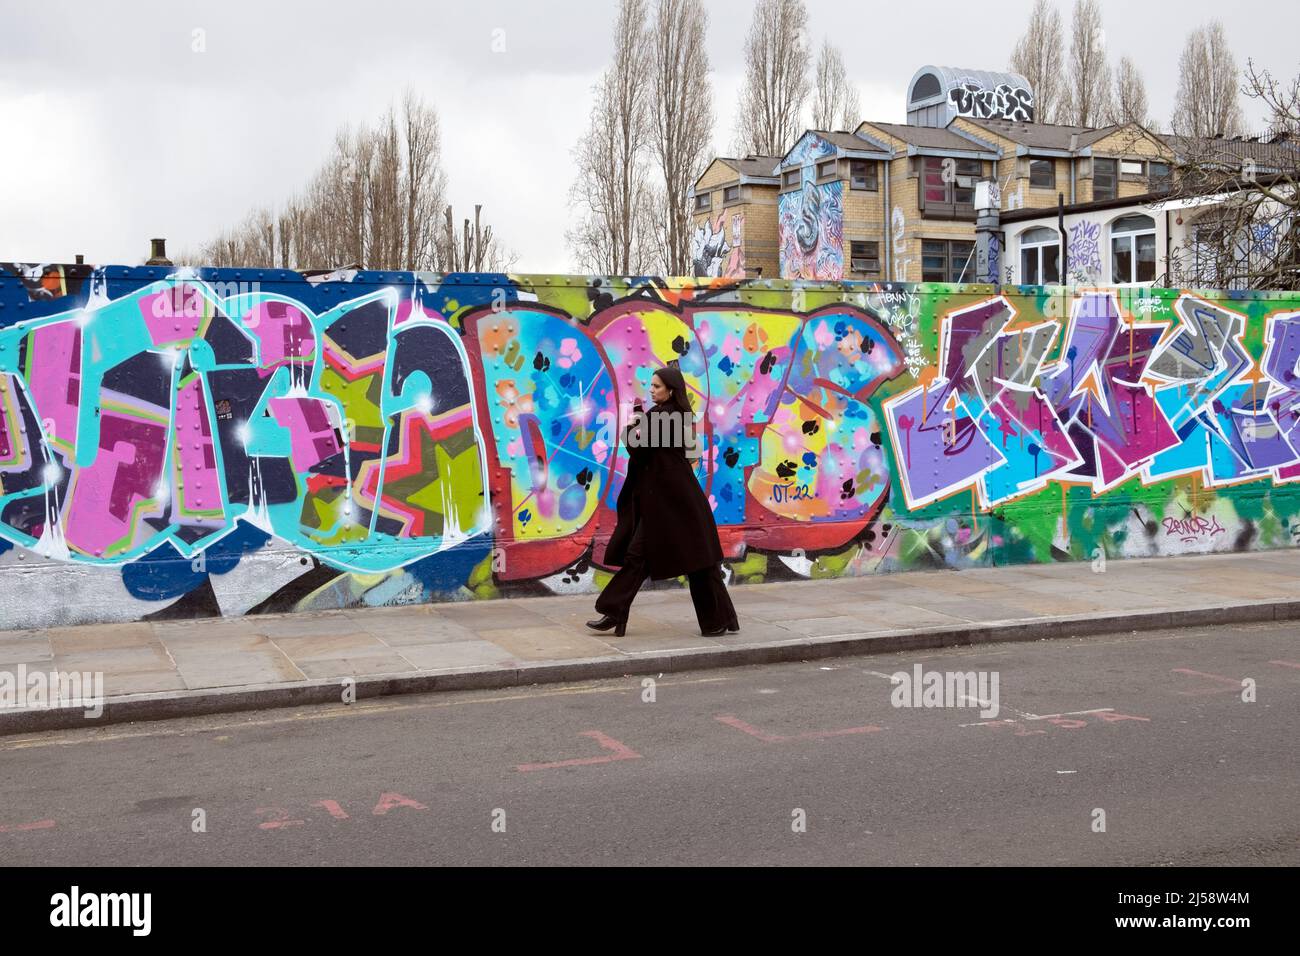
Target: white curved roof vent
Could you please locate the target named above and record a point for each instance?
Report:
(938, 94)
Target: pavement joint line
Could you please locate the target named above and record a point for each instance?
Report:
(165, 705)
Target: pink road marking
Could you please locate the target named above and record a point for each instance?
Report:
(753, 731)
(618, 751)
(747, 729)
(333, 807)
(1236, 684)
(281, 820)
(1285, 663)
(20, 827)
(391, 801)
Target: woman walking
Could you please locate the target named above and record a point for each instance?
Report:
(665, 525)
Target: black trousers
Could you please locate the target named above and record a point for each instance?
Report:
(713, 607)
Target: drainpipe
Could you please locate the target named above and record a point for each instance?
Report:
(1074, 144)
(888, 224)
(1060, 228)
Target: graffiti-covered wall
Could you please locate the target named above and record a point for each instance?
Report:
(188, 443)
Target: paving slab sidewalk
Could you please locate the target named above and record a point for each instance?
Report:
(214, 665)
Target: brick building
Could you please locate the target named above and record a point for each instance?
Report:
(734, 212)
(896, 201)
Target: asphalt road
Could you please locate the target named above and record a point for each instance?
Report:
(722, 767)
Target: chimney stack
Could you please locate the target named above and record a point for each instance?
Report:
(158, 253)
(81, 260)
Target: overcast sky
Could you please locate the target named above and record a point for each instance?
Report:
(114, 130)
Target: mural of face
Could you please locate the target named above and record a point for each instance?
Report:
(808, 228)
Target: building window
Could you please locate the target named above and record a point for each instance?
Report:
(1133, 250)
(948, 191)
(1132, 167)
(1042, 173)
(863, 175)
(1040, 257)
(790, 178)
(1161, 181)
(1103, 179)
(954, 183)
(731, 194)
(865, 258)
(826, 169)
(703, 202)
(944, 260)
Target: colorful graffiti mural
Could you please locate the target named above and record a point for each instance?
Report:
(197, 442)
(811, 219)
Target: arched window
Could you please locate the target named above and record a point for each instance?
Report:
(1133, 249)
(1040, 256)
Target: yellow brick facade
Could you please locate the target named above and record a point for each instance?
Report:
(756, 203)
(1129, 142)
(905, 230)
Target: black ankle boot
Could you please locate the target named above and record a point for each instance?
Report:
(606, 622)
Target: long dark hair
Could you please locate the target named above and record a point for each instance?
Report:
(680, 400)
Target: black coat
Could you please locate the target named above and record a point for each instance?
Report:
(662, 491)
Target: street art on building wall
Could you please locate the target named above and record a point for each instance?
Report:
(811, 229)
(810, 220)
(718, 251)
(195, 442)
(1083, 255)
(1015, 103)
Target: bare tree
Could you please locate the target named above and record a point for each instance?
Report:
(776, 78)
(376, 203)
(835, 103)
(1090, 92)
(1281, 100)
(1130, 101)
(682, 108)
(611, 187)
(1037, 57)
(475, 250)
(1244, 228)
(425, 182)
(1207, 102)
